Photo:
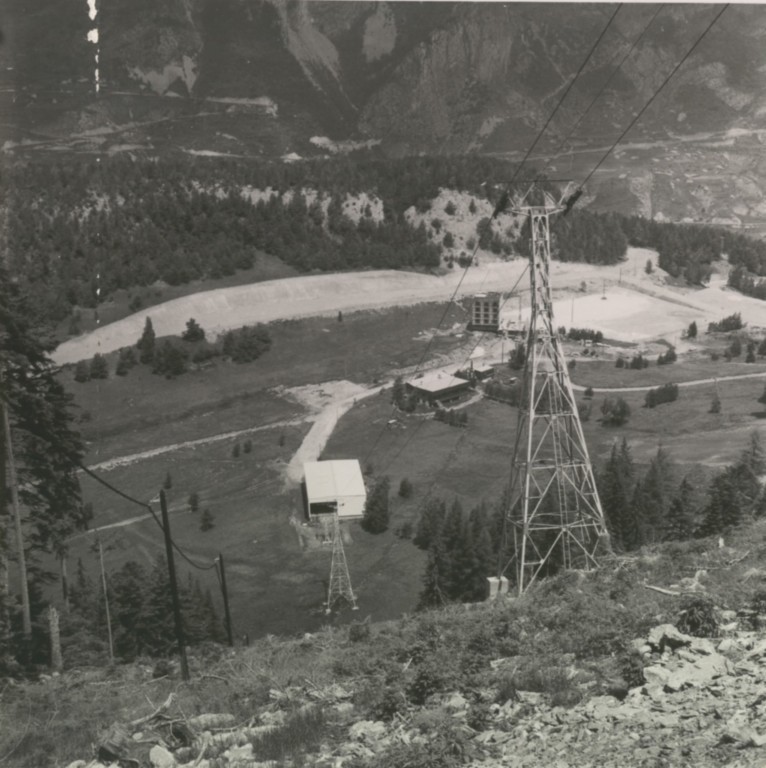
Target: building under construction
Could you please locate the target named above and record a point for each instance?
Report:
(485, 312)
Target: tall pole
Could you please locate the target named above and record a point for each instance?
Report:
(26, 613)
(174, 587)
(106, 600)
(225, 591)
(4, 597)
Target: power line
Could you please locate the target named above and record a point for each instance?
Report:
(146, 506)
(412, 435)
(606, 84)
(499, 207)
(565, 94)
(656, 93)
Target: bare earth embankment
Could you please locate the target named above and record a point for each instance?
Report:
(636, 306)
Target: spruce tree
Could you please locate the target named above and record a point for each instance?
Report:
(128, 587)
(679, 521)
(432, 515)
(146, 343)
(615, 488)
(376, 513)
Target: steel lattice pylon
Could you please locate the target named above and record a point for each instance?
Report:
(555, 514)
(340, 581)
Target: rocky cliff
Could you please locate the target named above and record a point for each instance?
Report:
(264, 77)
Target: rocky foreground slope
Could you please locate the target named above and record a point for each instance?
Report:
(545, 680)
(656, 659)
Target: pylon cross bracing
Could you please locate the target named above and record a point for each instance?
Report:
(555, 514)
(340, 580)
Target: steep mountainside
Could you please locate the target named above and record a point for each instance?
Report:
(271, 78)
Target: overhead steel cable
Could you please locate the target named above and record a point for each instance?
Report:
(412, 435)
(566, 93)
(504, 198)
(656, 93)
(148, 507)
(603, 88)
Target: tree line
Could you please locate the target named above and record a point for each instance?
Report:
(640, 508)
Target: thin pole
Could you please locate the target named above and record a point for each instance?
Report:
(225, 591)
(106, 600)
(174, 587)
(4, 601)
(23, 585)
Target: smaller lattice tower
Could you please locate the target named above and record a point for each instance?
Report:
(555, 514)
(340, 581)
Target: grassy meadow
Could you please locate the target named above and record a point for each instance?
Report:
(277, 583)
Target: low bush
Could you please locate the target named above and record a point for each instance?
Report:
(697, 617)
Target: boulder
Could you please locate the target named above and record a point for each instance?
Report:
(667, 636)
(367, 731)
(160, 757)
(656, 674)
(701, 672)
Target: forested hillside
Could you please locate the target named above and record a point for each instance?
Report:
(80, 230)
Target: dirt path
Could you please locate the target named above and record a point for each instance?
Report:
(323, 427)
(694, 383)
(123, 461)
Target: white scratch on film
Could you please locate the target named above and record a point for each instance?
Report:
(93, 38)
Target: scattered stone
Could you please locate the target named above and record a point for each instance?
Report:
(159, 757)
(245, 752)
(667, 636)
(456, 703)
(367, 731)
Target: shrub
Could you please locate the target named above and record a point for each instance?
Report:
(697, 617)
(632, 667)
(589, 392)
(615, 411)
(303, 731)
(667, 357)
(729, 323)
(358, 631)
(667, 393)
(450, 208)
(405, 488)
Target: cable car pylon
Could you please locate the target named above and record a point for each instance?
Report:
(340, 580)
(555, 516)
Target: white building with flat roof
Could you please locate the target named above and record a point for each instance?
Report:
(335, 487)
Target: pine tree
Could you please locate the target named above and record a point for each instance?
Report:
(167, 483)
(432, 515)
(615, 487)
(679, 521)
(157, 614)
(99, 369)
(376, 509)
(128, 587)
(453, 545)
(206, 521)
(193, 332)
(82, 371)
(658, 491)
(146, 343)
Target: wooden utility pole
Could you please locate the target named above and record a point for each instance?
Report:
(106, 600)
(225, 591)
(174, 587)
(16, 507)
(57, 661)
(5, 633)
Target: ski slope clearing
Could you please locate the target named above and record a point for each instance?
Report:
(637, 307)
